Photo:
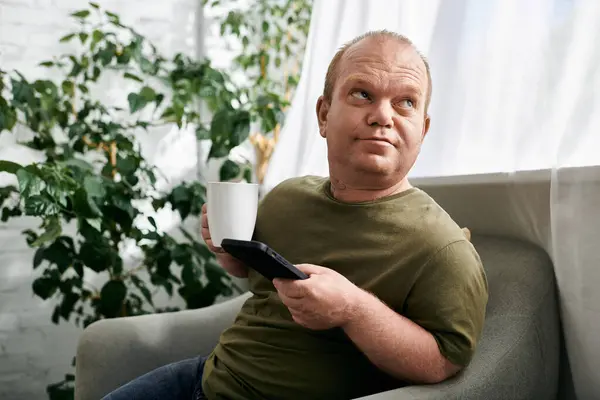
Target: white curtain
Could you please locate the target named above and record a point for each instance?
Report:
(516, 87)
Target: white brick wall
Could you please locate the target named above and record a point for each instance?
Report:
(33, 351)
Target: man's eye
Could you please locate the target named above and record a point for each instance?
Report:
(407, 103)
(360, 94)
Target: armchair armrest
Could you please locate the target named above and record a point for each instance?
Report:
(111, 352)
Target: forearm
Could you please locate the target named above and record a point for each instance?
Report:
(395, 344)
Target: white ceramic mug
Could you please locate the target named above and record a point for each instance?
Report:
(231, 210)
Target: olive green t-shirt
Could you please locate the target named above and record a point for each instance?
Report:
(403, 248)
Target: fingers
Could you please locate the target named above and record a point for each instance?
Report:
(205, 233)
(213, 248)
(204, 218)
(310, 269)
(293, 289)
(291, 302)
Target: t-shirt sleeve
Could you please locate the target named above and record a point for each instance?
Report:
(449, 300)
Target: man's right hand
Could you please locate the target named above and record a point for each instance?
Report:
(229, 263)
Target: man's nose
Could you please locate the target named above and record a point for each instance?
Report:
(381, 115)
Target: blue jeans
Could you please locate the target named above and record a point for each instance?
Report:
(181, 380)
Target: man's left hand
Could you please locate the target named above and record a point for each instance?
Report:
(325, 300)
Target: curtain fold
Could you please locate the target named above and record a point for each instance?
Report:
(516, 87)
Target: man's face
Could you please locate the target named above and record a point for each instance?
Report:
(376, 121)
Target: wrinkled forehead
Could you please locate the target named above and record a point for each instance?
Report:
(378, 57)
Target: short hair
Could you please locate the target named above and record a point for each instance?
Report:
(332, 70)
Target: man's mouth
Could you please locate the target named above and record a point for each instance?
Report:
(379, 139)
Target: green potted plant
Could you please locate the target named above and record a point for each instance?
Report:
(92, 189)
(272, 36)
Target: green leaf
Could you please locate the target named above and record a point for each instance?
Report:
(68, 303)
(38, 257)
(241, 128)
(190, 274)
(218, 150)
(45, 87)
(83, 88)
(85, 206)
(95, 223)
(129, 75)
(96, 73)
(112, 296)
(76, 69)
(180, 199)
(68, 87)
(207, 92)
(202, 133)
(269, 120)
(97, 254)
(77, 163)
(147, 66)
(40, 205)
(29, 184)
(293, 80)
(78, 267)
(163, 263)
(97, 36)
(106, 55)
(199, 248)
(95, 5)
(22, 93)
(94, 187)
(114, 17)
(53, 229)
(148, 94)
(123, 203)
(248, 175)
(8, 118)
(220, 128)
(159, 99)
(158, 280)
(57, 193)
(67, 38)
(126, 165)
(142, 288)
(9, 166)
(263, 101)
(59, 253)
(45, 287)
(56, 316)
(181, 254)
(229, 170)
(265, 26)
(46, 64)
(136, 102)
(83, 37)
(152, 222)
(81, 14)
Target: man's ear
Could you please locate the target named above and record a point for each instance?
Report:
(322, 111)
(426, 126)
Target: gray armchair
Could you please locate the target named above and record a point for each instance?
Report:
(518, 356)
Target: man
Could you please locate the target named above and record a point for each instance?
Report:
(396, 293)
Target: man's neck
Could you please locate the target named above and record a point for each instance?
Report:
(357, 194)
